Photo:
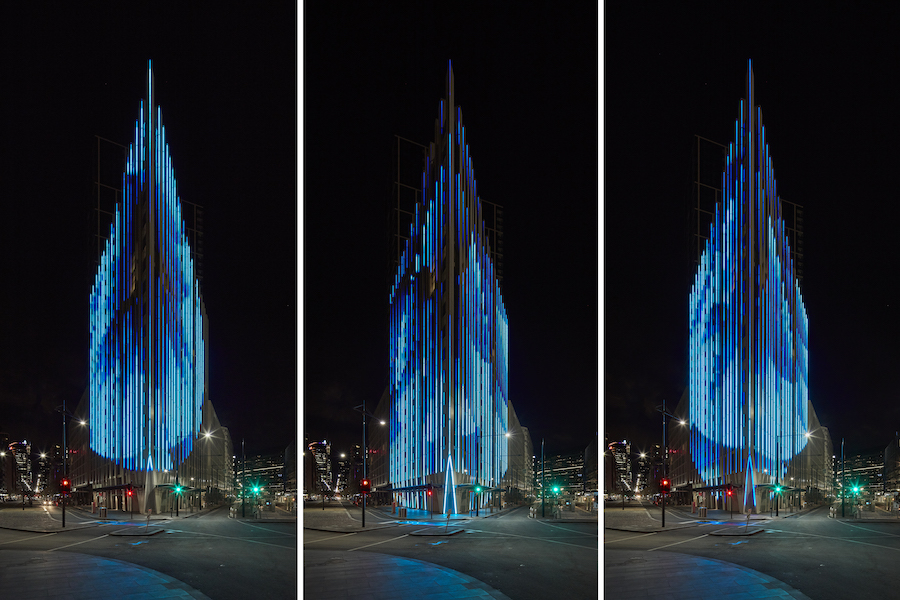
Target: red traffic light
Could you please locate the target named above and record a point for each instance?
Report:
(65, 486)
(365, 486)
(429, 489)
(665, 485)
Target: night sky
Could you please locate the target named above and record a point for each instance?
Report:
(527, 83)
(827, 85)
(226, 79)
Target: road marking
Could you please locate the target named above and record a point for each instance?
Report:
(681, 542)
(870, 530)
(330, 538)
(82, 542)
(529, 537)
(34, 537)
(267, 530)
(567, 530)
(381, 542)
(840, 539)
(630, 538)
(226, 537)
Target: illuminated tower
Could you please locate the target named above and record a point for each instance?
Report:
(148, 327)
(748, 393)
(448, 394)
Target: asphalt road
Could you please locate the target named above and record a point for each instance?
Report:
(223, 558)
(824, 558)
(523, 558)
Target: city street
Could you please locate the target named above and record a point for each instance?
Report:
(821, 557)
(219, 557)
(519, 557)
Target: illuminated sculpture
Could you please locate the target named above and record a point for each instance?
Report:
(449, 336)
(148, 324)
(749, 332)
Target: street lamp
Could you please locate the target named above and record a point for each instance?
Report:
(65, 449)
(665, 450)
(807, 435)
(365, 449)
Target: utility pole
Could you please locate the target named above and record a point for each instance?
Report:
(65, 461)
(243, 480)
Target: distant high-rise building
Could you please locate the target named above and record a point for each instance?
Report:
(23, 478)
(623, 479)
(321, 453)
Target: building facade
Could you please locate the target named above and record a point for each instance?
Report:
(148, 418)
(450, 424)
(750, 422)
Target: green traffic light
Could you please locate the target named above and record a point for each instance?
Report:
(477, 489)
(556, 490)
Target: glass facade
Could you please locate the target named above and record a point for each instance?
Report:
(448, 337)
(749, 409)
(147, 339)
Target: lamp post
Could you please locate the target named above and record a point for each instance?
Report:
(665, 450)
(807, 435)
(365, 451)
(65, 449)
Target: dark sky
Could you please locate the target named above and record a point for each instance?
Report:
(226, 79)
(826, 83)
(527, 82)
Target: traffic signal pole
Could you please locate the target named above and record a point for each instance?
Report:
(665, 452)
(65, 461)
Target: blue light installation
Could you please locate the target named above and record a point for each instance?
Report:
(448, 332)
(147, 346)
(749, 332)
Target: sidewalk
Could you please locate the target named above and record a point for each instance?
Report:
(632, 574)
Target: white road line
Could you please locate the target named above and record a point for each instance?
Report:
(529, 537)
(34, 537)
(267, 530)
(225, 537)
(381, 542)
(840, 539)
(82, 542)
(330, 538)
(681, 542)
(630, 538)
(568, 530)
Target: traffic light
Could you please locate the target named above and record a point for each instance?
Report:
(365, 486)
(429, 489)
(665, 485)
(477, 489)
(729, 489)
(129, 490)
(256, 489)
(178, 489)
(777, 489)
(65, 485)
(856, 489)
(556, 489)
